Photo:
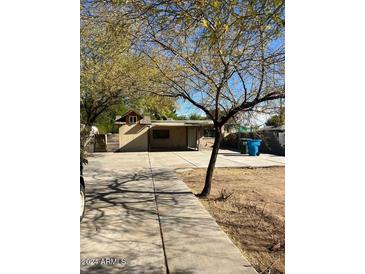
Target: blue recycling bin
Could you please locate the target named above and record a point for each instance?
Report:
(253, 147)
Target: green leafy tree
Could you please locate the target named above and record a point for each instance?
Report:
(277, 120)
(106, 121)
(195, 116)
(181, 117)
(158, 107)
(113, 77)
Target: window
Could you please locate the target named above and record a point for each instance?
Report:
(161, 134)
(132, 119)
(208, 132)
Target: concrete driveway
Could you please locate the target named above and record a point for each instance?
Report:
(140, 218)
(200, 159)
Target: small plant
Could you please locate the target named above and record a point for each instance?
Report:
(223, 195)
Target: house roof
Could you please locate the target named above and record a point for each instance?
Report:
(121, 118)
(272, 128)
(146, 120)
(131, 110)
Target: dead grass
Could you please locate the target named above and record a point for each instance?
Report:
(248, 204)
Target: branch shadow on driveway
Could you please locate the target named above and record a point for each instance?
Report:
(121, 218)
(122, 221)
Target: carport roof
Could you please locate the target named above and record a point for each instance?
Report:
(181, 123)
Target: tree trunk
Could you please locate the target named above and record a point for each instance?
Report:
(211, 166)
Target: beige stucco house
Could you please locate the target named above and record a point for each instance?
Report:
(140, 133)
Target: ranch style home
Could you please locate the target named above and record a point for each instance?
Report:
(140, 133)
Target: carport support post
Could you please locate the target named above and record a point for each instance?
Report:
(213, 159)
(149, 138)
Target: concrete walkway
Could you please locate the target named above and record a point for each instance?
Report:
(146, 220)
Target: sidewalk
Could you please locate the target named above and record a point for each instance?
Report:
(193, 241)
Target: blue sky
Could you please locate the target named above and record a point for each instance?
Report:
(186, 108)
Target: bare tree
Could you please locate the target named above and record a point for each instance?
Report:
(224, 57)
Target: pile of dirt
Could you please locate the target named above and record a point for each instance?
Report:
(249, 205)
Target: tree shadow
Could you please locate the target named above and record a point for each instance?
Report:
(122, 220)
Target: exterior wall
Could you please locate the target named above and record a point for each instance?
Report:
(281, 138)
(136, 137)
(177, 138)
(133, 137)
(206, 143)
(192, 142)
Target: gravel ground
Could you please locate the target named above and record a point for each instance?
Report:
(253, 215)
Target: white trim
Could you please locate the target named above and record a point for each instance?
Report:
(132, 116)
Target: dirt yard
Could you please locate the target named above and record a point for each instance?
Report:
(253, 215)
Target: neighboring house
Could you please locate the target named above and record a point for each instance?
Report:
(278, 132)
(273, 140)
(140, 133)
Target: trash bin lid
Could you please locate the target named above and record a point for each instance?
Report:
(255, 141)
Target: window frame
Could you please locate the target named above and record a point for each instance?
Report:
(156, 134)
(135, 119)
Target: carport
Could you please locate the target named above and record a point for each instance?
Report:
(165, 136)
